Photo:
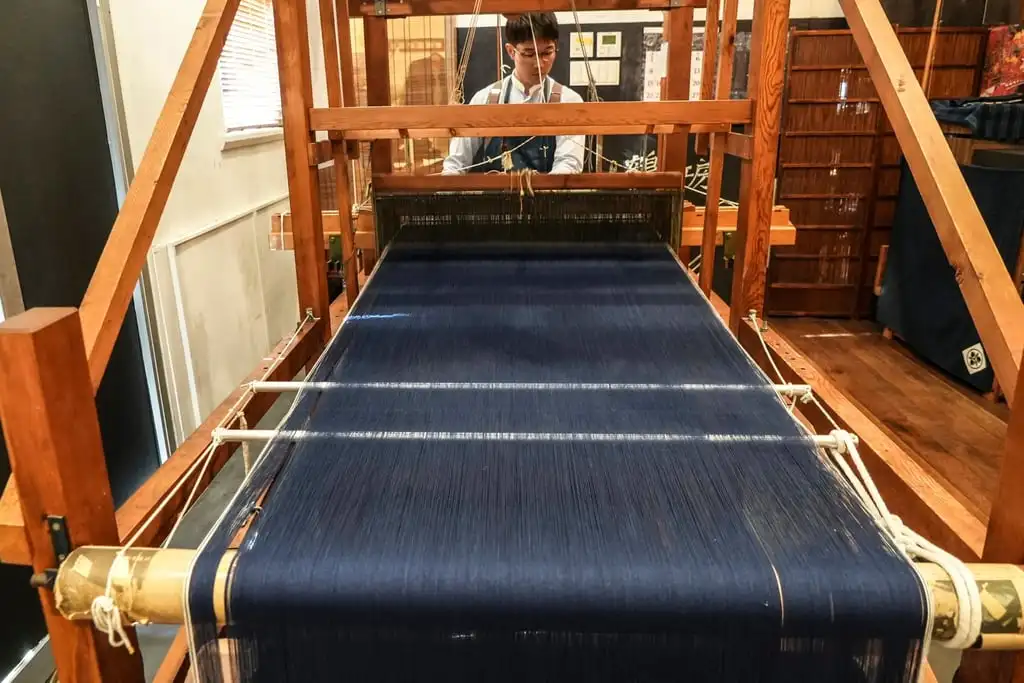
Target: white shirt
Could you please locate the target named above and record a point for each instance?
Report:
(568, 148)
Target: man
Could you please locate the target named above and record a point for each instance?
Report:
(532, 43)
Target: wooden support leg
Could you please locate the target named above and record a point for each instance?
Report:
(378, 84)
(677, 86)
(53, 441)
(710, 235)
(1004, 542)
(757, 178)
(707, 78)
(348, 237)
(303, 186)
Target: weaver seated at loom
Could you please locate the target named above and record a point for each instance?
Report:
(532, 44)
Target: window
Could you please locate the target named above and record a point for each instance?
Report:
(248, 70)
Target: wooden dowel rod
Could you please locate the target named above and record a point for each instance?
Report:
(930, 58)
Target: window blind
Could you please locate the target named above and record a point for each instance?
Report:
(250, 86)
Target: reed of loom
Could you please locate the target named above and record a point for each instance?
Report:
(53, 360)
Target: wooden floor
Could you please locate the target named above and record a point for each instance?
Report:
(954, 432)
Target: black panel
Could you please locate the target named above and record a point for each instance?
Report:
(921, 301)
(59, 195)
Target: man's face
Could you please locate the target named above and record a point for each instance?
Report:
(528, 57)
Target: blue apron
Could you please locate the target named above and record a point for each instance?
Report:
(538, 154)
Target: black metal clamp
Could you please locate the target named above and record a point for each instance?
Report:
(60, 539)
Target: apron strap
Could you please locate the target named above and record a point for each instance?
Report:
(556, 94)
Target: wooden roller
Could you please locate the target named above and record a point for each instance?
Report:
(147, 585)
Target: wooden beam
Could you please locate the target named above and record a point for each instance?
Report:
(56, 453)
(378, 89)
(120, 266)
(619, 118)
(13, 536)
(407, 8)
(739, 145)
(481, 181)
(679, 32)
(727, 49)
(757, 176)
(701, 145)
(783, 233)
(710, 235)
(332, 65)
(1005, 539)
(165, 491)
(908, 489)
(348, 77)
(984, 280)
(303, 183)
(175, 664)
(572, 129)
(346, 225)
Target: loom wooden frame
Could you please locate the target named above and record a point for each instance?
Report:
(44, 344)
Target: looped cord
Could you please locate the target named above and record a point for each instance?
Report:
(907, 541)
(913, 545)
(106, 617)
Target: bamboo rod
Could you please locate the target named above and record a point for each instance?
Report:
(148, 586)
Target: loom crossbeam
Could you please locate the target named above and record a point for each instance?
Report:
(149, 583)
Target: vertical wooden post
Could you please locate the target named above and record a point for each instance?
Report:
(53, 441)
(1004, 542)
(348, 78)
(707, 78)
(303, 186)
(679, 30)
(378, 84)
(1005, 539)
(341, 178)
(723, 90)
(348, 238)
(757, 178)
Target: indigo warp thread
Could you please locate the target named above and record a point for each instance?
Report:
(515, 553)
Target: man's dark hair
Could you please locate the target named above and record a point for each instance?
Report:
(545, 27)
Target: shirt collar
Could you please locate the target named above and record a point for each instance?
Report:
(518, 85)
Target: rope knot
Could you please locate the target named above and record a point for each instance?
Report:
(106, 617)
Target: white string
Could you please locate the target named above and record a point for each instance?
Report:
(536, 58)
(456, 95)
(909, 542)
(488, 160)
(914, 546)
(107, 619)
(106, 616)
(591, 84)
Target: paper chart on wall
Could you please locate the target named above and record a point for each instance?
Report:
(655, 60)
(580, 42)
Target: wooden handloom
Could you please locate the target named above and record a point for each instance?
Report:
(52, 360)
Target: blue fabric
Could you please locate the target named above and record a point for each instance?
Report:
(590, 557)
(537, 154)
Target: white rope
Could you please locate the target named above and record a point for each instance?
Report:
(107, 619)
(488, 160)
(913, 545)
(591, 84)
(456, 96)
(106, 616)
(910, 543)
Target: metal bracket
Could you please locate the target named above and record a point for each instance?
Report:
(57, 525)
(380, 8)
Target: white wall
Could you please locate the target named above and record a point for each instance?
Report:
(223, 299)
